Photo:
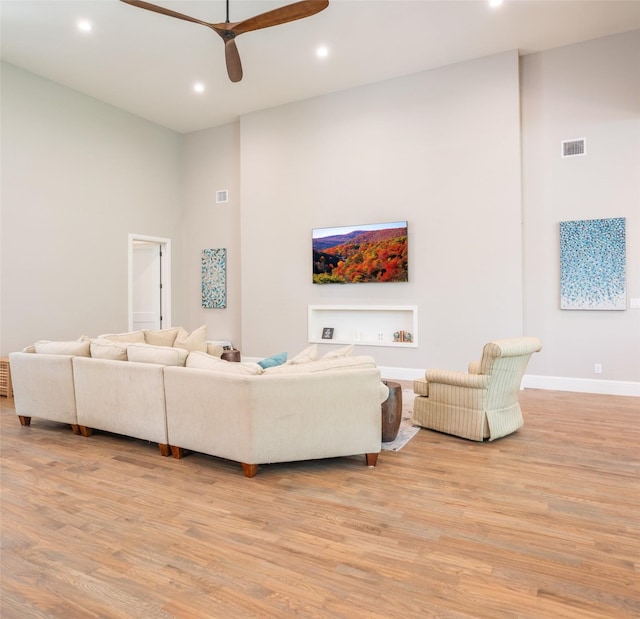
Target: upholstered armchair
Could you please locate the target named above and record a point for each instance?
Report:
(482, 403)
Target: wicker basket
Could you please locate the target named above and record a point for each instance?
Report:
(6, 388)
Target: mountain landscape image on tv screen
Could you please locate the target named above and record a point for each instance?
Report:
(360, 254)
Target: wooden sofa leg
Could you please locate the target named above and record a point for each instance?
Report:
(250, 470)
(177, 452)
(24, 421)
(371, 459)
(165, 450)
(85, 431)
(76, 428)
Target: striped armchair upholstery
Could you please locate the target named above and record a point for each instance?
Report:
(481, 403)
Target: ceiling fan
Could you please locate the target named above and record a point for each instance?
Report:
(230, 30)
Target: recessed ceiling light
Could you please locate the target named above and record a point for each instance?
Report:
(198, 87)
(322, 51)
(495, 3)
(85, 25)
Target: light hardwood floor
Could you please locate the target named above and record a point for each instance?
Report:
(544, 523)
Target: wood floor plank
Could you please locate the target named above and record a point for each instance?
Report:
(542, 523)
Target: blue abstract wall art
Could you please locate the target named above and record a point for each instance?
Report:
(214, 278)
(593, 264)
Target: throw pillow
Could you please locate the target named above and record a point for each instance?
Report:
(345, 351)
(132, 336)
(102, 348)
(204, 361)
(160, 355)
(75, 348)
(161, 337)
(273, 361)
(215, 350)
(196, 340)
(305, 356)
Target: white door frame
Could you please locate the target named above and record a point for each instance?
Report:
(165, 276)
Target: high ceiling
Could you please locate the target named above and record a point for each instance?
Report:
(147, 63)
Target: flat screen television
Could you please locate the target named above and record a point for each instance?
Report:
(360, 254)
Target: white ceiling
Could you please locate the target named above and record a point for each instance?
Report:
(146, 63)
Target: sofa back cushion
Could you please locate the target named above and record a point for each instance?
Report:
(196, 340)
(75, 348)
(130, 337)
(161, 337)
(203, 361)
(160, 355)
(325, 365)
(102, 348)
(345, 351)
(307, 355)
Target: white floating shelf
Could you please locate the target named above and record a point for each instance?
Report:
(364, 325)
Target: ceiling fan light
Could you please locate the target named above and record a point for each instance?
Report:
(84, 25)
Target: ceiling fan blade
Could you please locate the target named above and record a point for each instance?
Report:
(234, 66)
(228, 31)
(282, 15)
(159, 9)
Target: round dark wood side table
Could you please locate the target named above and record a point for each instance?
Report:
(391, 412)
(231, 355)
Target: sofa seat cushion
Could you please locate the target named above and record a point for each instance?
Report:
(102, 348)
(161, 355)
(203, 361)
(75, 348)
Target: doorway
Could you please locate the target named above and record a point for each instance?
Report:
(149, 282)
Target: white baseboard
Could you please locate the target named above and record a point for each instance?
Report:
(530, 381)
(390, 373)
(583, 385)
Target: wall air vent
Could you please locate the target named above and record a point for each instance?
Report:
(574, 148)
(222, 196)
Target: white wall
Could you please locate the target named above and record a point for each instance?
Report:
(211, 162)
(440, 149)
(587, 90)
(77, 177)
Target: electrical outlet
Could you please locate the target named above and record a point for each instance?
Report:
(597, 368)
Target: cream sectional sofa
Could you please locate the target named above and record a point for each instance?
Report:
(305, 409)
(295, 412)
(123, 397)
(43, 387)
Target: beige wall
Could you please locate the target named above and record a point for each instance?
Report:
(211, 162)
(588, 90)
(440, 149)
(77, 177)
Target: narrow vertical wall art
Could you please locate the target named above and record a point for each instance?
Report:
(593, 264)
(214, 278)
